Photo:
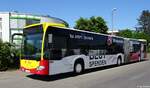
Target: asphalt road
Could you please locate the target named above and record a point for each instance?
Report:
(135, 75)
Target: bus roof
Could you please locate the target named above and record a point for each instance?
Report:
(85, 31)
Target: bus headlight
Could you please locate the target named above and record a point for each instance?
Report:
(40, 68)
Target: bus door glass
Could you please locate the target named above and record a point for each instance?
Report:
(55, 47)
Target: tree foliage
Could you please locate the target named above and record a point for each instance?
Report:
(144, 22)
(141, 35)
(127, 33)
(94, 24)
(4, 55)
(7, 58)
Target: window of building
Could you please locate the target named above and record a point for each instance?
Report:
(13, 23)
(21, 23)
(17, 23)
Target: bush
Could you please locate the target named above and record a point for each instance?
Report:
(4, 55)
(15, 53)
(8, 56)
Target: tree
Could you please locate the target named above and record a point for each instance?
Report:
(7, 59)
(127, 33)
(4, 55)
(144, 22)
(82, 24)
(94, 24)
(141, 35)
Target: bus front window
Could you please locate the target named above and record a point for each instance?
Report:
(32, 46)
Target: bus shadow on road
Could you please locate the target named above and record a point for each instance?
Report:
(51, 78)
(65, 75)
(69, 75)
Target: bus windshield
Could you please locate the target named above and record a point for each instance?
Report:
(32, 44)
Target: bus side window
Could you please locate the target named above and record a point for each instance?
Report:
(69, 52)
(76, 51)
(136, 48)
(57, 48)
(144, 48)
(111, 49)
(84, 51)
(56, 54)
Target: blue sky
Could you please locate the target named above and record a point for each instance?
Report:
(70, 10)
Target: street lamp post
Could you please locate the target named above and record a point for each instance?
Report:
(113, 10)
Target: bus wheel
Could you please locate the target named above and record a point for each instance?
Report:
(78, 68)
(119, 61)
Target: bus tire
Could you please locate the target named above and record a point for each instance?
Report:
(119, 61)
(79, 67)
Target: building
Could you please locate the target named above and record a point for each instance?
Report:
(113, 32)
(12, 23)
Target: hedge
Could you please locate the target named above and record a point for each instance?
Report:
(9, 57)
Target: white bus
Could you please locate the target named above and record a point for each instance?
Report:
(53, 49)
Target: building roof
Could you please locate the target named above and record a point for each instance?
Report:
(115, 31)
(13, 13)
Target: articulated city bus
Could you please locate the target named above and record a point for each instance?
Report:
(50, 49)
